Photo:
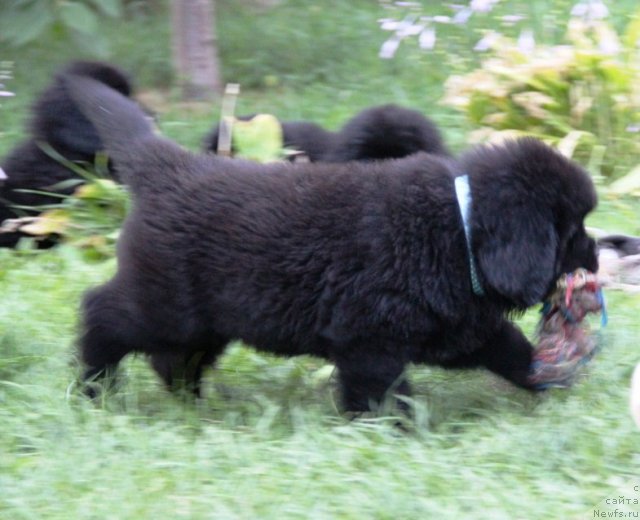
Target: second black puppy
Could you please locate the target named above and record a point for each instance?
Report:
(56, 122)
(366, 264)
(381, 132)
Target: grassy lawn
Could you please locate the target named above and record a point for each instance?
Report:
(267, 440)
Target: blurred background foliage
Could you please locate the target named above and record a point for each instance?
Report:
(563, 70)
(24, 21)
(580, 95)
(330, 49)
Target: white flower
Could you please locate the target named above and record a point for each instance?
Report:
(579, 10)
(404, 28)
(609, 46)
(462, 16)
(608, 41)
(427, 39)
(526, 41)
(442, 19)
(487, 41)
(5, 93)
(389, 48)
(387, 24)
(482, 6)
(410, 30)
(590, 10)
(598, 10)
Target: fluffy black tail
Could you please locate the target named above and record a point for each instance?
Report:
(126, 132)
(118, 120)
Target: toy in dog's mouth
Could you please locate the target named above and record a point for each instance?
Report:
(564, 340)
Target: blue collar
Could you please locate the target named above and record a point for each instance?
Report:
(463, 193)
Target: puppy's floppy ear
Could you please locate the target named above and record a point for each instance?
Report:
(516, 250)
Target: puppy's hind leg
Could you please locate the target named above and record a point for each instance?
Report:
(182, 368)
(108, 334)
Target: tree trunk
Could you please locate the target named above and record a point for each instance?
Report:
(195, 49)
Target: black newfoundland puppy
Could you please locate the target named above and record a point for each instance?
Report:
(362, 263)
(58, 122)
(381, 132)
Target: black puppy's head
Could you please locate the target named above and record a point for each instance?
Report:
(58, 121)
(529, 207)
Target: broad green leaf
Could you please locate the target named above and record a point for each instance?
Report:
(559, 126)
(98, 189)
(535, 103)
(567, 145)
(24, 24)
(631, 35)
(629, 184)
(50, 222)
(549, 82)
(596, 159)
(480, 106)
(51, 152)
(617, 74)
(259, 139)
(92, 242)
(94, 43)
(78, 17)
(111, 8)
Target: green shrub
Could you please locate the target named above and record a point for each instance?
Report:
(89, 218)
(24, 21)
(298, 42)
(581, 96)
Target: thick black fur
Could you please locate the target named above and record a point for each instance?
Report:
(364, 263)
(57, 121)
(381, 132)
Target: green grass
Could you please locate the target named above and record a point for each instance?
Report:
(267, 440)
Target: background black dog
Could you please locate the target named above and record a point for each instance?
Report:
(303, 136)
(58, 122)
(363, 263)
(382, 132)
(385, 132)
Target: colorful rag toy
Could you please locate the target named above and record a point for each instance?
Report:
(564, 340)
